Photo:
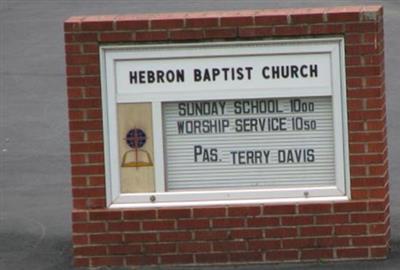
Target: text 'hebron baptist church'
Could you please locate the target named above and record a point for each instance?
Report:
(224, 74)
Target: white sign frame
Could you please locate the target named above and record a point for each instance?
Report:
(110, 55)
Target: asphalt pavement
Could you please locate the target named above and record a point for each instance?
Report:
(35, 194)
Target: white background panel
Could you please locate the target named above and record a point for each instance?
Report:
(183, 173)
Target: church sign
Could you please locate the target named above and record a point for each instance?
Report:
(211, 123)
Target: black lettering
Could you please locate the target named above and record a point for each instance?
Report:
(132, 77)
(313, 71)
(197, 75)
(265, 72)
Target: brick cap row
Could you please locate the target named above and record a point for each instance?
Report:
(370, 13)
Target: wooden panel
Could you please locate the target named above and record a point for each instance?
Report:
(136, 171)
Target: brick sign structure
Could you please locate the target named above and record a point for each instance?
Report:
(228, 137)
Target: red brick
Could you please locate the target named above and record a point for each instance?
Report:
(97, 181)
(177, 259)
(298, 243)
(333, 242)
(116, 36)
(79, 216)
(353, 82)
(281, 232)
(357, 148)
(151, 36)
(369, 241)
(97, 25)
(209, 212)
(358, 171)
(105, 238)
(363, 71)
(86, 170)
(93, 136)
(79, 203)
(74, 93)
(95, 203)
(246, 257)
(270, 19)
(211, 258)
(354, 60)
(316, 254)
(201, 22)
(360, 49)
(279, 209)
(139, 214)
(111, 261)
(376, 125)
(159, 248)
(81, 59)
(350, 229)
(76, 136)
(73, 70)
(297, 220)
(316, 230)
(228, 223)
(229, 246)
(221, 33)
(192, 247)
(90, 48)
(140, 237)
(361, 27)
(367, 159)
(211, 235)
(142, 260)
(350, 207)
(86, 147)
(175, 236)
(373, 59)
(306, 18)
(193, 224)
(332, 219)
(88, 227)
(90, 251)
(264, 244)
(263, 221)
(237, 21)
(80, 239)
(96, 158)
(166, 23)
(326, 29)
(245, 234)
(281, 255)
(380, 252)
(105, 215)
(255, 31)
(124, 226)
(187, 35)
(315, 208)
(244, 211)
(83, 104)
(343, 16)
(290, 30)
(158, 225)
(81, 262)
(359, 194)
(356, 126)
(352, 253)
(174, 213)
(78, 159)
(132, 24)
(72, 26)
(84, 37)
(124, 249)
